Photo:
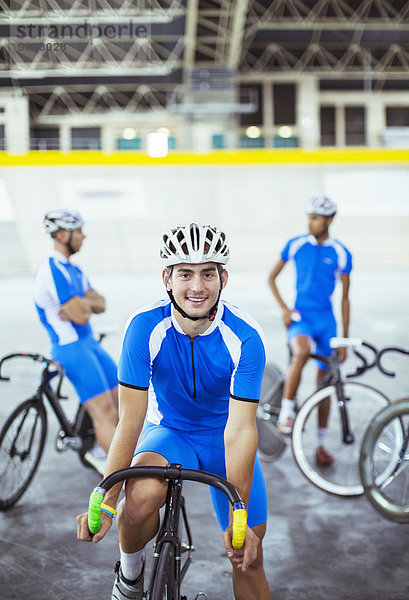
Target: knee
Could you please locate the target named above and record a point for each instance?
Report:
(141, 501)
(300, 355)
(101, 407)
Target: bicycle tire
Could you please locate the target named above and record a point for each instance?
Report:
(342, 478)
(384, 472)
(163, 587)
(22, 440)
(271, 443)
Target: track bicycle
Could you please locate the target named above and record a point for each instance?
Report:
(351, 406)
(272, 443)
(23, 434)
(384, 459)
(168, 569)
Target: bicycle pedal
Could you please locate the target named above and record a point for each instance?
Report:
(63, 442)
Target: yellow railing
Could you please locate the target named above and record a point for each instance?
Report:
(240, 158)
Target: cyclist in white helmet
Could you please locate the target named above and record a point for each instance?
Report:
(190, 377)
(65, 301)
(319, 260)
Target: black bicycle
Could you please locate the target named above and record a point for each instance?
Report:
(384, 459)
(23, 435)
(168, 569)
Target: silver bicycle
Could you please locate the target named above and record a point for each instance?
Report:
(384, 459)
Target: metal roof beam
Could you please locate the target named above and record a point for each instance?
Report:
(236, 35)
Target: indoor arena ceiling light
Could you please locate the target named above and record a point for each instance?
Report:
(253, 132)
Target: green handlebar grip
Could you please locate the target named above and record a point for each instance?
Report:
(239, 527)
(94, 511)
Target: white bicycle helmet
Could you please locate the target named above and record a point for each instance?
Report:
(62, 219)
(320, 205)
(194, 244)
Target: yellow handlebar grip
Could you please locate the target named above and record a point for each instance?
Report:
(239, 527)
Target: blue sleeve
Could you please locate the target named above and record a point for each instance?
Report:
(63, 286)
(134, 369)
(285, 251)
(249, 373)
(348, 266)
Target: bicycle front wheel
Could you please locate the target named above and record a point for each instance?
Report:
(271, 443)
(22, 439)
(342, 477)
(384, 462)
(164, 585)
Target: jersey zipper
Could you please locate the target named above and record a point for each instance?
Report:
(193, 369)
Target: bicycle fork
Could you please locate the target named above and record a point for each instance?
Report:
(347, 435)
(169, 532)
(24, 452)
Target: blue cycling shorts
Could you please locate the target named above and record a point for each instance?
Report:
(205, 450)
(320, 326)
(88, 366)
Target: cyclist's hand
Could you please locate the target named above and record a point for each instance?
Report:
(84, 534)
(287, 317)
(63, 316)
(342, 354)
(242, 557)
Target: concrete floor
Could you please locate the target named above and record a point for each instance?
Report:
(317, 547)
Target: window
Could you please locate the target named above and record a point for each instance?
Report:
(397, 116)
(327, 126)
(284, 99)
(247, 94)
(44, 138)
(355, 134)
(86, 138)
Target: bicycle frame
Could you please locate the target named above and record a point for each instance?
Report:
(169, 532)
(334, 378)
(44, 389)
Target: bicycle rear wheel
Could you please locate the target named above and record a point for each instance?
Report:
(271, 443)
(164, 585)
(22, 439)
(384, 462)
(342, 477)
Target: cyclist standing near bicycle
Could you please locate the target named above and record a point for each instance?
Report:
(193, 366)
(65, 302)
(319, 260)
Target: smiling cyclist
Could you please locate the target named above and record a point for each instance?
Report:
(192, 366)
(319, 261)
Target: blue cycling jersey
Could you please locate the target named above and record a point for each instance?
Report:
(317, 269)
(55, 282)
(190, 381)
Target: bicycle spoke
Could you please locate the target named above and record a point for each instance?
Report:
(342, 476)
(21, 445)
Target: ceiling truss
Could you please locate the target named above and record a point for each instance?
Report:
(249, 39)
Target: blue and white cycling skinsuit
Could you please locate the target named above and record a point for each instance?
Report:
(190, 382)
(318, 267)
(88, 366)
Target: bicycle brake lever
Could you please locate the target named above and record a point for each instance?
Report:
(358, 372)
